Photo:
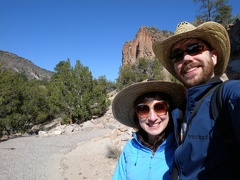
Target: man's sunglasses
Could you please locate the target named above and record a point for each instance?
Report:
(160, 108)
(191, 50)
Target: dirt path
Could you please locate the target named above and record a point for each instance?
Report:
(88, 161)
(79, 155)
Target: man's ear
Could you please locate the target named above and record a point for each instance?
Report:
(214, 56)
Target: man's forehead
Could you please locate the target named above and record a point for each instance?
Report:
(186, 42)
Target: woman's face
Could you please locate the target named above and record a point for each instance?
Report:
(153, 117)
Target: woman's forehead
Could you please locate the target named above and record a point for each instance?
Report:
(150, 100)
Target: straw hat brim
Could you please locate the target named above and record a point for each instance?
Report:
(123, 103)
(213, 33)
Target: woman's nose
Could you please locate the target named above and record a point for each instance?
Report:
(152, 115)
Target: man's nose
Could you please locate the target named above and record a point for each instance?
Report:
(186, 56)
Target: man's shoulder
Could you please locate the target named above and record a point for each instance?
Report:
(230, 90)
(231, 84)
(232, 81)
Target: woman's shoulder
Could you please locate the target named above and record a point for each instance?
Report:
(130, 143)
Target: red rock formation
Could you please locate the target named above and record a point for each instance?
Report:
(141, 46)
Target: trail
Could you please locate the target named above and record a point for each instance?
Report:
(35, 157)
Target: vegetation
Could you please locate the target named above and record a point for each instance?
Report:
(113, 152)
(143, 69)
(154, 28)
(71, 94)
(22, 102)
(217, 11)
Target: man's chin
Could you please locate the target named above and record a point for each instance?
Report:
(191, 81)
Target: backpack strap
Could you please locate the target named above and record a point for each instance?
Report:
(217, 110)
(219, 116)
(216, 101)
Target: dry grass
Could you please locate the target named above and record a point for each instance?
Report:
(113, 152)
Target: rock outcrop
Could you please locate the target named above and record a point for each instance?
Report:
(141, 46)
(233, 69)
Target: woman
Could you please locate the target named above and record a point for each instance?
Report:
(146, 107)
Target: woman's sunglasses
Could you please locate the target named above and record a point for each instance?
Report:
(192, 50)
(160, 108)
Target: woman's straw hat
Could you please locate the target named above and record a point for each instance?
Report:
(211, 32)
(123, 103)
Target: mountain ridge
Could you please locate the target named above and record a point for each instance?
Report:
(15, 63)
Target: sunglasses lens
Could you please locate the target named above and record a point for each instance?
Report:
(194, 49)
(142, 110)
(160, 108)
(177, 55)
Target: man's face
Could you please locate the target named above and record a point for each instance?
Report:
(193, 61)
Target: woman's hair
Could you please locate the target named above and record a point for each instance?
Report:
(141, 134)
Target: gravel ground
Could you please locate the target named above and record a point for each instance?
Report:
(38, 158)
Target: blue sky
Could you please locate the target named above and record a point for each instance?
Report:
(92, 31)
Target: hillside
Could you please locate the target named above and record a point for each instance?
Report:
(18, 64)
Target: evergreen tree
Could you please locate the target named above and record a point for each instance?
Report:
(100, 100)
(75, 95)
(11, 88)
(142, 70)
(224, 14)
(23, 102)
(157, 70)
(217, 11)
(58, 88)
(35, 105)
(126, 76)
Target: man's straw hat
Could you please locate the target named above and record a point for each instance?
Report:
(211, 32)
(123, 103)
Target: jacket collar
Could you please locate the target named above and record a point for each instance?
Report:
(194, 94)
(215, 79)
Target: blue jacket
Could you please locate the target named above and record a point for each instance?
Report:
(203, 154)
(138, 162)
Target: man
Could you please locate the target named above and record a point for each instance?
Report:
(197, 57)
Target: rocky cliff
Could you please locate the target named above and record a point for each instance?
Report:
(141, 46)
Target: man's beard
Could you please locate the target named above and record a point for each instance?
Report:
(198, 79)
